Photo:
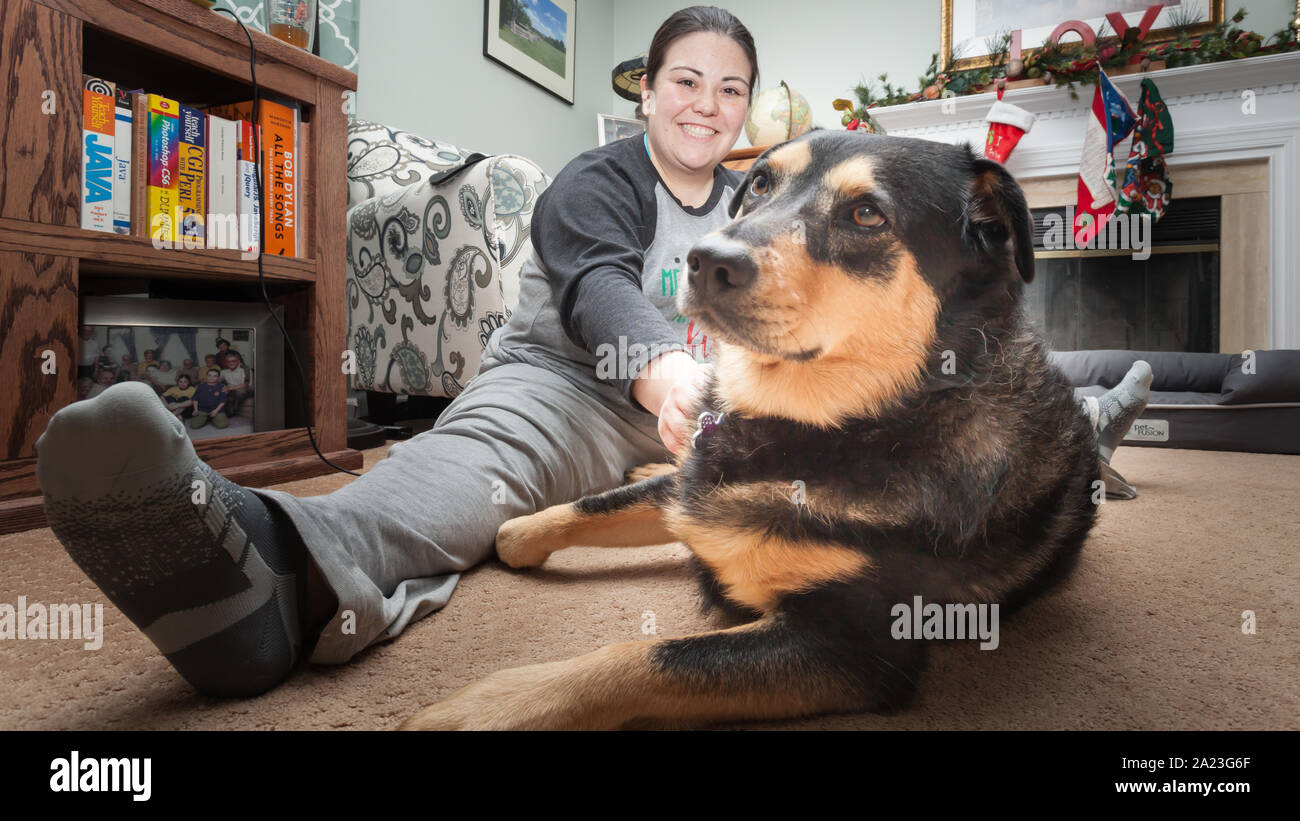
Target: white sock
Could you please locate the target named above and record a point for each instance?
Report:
(204, 567)
(1120, 407)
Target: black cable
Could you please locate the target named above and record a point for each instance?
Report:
(261, 214)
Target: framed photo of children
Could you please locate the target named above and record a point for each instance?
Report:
(209, 376)
(535, 39)
(971, 29)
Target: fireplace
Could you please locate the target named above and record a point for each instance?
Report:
(1160, 293)
(1237, 127)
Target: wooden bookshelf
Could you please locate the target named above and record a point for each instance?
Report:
(47, 262)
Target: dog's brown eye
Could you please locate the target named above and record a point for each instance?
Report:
(759, 186)
(868, 217)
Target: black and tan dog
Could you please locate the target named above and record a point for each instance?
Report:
(889, 428)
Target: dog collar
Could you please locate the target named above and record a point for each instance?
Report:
(709, 422)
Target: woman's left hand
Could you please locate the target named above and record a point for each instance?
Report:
(679, 409)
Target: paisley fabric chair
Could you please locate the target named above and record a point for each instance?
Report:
(433, 266)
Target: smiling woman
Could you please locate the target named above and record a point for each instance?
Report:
(699, 79)
(540, 425)
(611, 233)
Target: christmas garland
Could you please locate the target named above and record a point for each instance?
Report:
(1071, 63)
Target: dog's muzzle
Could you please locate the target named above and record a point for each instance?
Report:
(717, 266)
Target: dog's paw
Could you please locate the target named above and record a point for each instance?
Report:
(522, 698)
(522, 542)
(647, 471)
(445, 715)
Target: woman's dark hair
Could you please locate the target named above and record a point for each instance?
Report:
(695, 19)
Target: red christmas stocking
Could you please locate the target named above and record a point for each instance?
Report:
(1007, 124)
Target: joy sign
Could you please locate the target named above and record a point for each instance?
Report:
(1115, 18)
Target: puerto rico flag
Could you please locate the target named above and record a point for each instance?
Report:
(1110, 121)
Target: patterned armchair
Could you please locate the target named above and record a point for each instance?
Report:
(433, 266)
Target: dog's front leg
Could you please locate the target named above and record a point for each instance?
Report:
(628, 516)
(767, 669)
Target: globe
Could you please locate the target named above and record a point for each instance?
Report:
(770, 119)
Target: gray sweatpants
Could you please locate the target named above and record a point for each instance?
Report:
(392, 543)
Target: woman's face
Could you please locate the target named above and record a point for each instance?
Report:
(697, 105)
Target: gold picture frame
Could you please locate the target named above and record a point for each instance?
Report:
(1157, 35)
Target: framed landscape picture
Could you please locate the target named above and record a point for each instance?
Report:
(969, 28)
(534, 38)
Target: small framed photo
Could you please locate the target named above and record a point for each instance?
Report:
(970, 28)
(610, 129)
(217, 367)
(535, 39)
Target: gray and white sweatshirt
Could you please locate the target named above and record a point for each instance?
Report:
(609, 245)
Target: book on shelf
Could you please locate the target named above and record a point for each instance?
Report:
(164, 140)
(140, 164)
(191, 177)
(223, 184)
(98, 121)
(123, 148)
(250, 215)
(279, 126)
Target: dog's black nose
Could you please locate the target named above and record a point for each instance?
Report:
(718, 264)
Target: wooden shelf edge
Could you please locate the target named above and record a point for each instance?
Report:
(136, 256)
(17, 515)
(272, 47)
(28, 513)
(745, 153)
(226, 454)
(741, 159)
(187, 15)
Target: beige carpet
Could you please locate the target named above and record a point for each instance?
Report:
(1145, 635)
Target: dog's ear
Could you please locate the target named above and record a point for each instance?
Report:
(996, 214)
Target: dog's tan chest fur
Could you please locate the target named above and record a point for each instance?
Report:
(878, 337)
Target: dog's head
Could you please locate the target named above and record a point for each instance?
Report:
(852, 245)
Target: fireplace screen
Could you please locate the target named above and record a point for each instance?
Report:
(1164, 297)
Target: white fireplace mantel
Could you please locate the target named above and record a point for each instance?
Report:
(1210, 106)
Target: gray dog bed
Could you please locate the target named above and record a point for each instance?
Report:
(1205, 401)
